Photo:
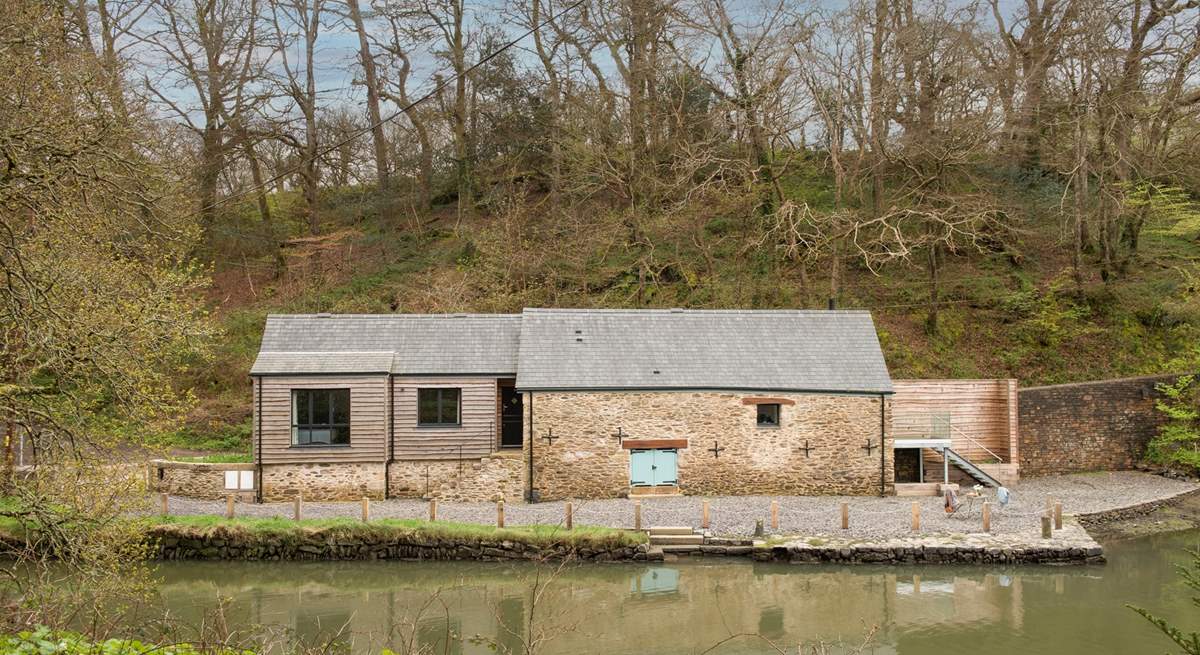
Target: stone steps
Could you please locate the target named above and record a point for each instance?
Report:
(677, 540)
(670, 529)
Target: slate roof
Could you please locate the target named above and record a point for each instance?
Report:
(771, 350)
(411, 344)
(589, 349)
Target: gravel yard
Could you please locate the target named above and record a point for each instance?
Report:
(870, 517)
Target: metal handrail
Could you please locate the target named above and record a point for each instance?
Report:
(924, 426)
(977, 444)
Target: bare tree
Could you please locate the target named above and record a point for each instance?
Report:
(301, 20)
(371, 84)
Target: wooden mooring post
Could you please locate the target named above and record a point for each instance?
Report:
(297, 502)
(637, 515)
(845, 516)
(1058, 515)
(228, 506)
(916, 516)
(166, 508)
(433, 509)
(774, 514)
(500, 513)
(987, 516)
(1045, 526)
(570, 517)
(366, 509)
(704, 515)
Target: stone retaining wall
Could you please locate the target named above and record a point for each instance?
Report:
(1071, 545)
(174, 544)
(195, 479)
(1133, 511)
(1089, 426)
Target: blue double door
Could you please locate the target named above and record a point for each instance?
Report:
(653, 467)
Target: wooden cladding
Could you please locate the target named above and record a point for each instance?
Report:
(981, 413)
(631, 444)
(368, 419)
(756, 400)
(473, 437)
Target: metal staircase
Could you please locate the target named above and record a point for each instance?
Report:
(968, 467)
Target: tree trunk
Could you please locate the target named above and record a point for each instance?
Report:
(371, 81)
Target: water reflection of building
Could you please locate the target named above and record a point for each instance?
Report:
(447, 608)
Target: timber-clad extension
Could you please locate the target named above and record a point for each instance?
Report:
(560, 403)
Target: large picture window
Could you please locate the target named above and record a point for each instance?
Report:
(438, 407)
(320, 417)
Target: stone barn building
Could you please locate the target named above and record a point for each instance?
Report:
(561, 403)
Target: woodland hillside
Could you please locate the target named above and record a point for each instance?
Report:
(1011, 187)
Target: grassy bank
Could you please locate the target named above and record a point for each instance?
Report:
(384, 529)
(250, 530)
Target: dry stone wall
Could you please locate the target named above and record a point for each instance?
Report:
(194, 479)
(1089, 426)
(585, 460)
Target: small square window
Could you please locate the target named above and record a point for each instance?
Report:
(768, 415)
(438, 407)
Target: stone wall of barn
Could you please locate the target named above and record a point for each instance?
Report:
(585, 460)
(195, 479)
(323, 481)
(499, 475)
(1089, 426)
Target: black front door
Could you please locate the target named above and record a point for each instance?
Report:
(511, 416)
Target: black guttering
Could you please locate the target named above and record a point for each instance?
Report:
(391, 437)
(882, 443)
(258, 486)
(529, 493)
(826, 392)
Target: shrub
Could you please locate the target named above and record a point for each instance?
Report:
(44, 641)
(1178, 440)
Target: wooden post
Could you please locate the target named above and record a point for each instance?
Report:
(228, 506)
(916, 517)
(704, 522)
(1045, 526)
(570, 516)
(637, 515)
(500, 513)
(758, 528)
(296, 502)
(774, 514)
(1058, 515)
(433, 509)
(987, 516)
(845, 516)
(366, 509)
(165, 507)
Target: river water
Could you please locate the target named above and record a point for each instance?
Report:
(691, 607)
